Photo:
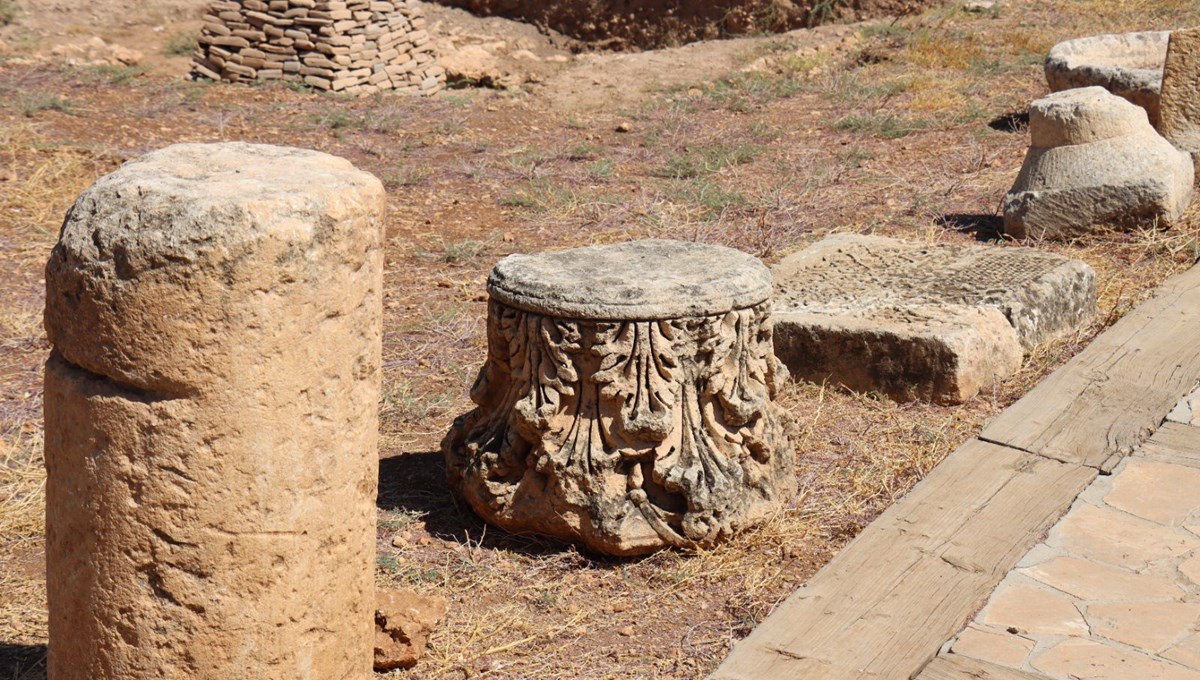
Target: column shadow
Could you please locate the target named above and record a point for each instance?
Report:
(416, 483)
(22, 662)
(986, 228)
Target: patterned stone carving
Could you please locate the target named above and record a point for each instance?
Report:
(626, 434)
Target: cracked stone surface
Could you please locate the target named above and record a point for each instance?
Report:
(1113, 592)
(1030, 608)
(211, 429)
(937, 322)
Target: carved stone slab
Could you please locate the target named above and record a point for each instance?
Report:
(626, 400)
(918, 321)
(1129, 65)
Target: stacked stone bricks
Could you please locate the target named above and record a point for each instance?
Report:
(352, 46)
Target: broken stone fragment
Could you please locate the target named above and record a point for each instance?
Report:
(1129, 65)
(1094, 160)
(1180, 103)
(403, 622)
(919, 321)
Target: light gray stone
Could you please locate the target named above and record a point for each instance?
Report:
(1180, 103)
(627, 399)
(1129, 65)
(1094, 161)
(915, 321)
(651, 279)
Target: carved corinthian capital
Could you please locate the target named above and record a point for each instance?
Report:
(626, 400)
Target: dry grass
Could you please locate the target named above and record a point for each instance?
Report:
(767, 163)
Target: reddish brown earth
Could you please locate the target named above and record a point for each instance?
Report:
(911, 129)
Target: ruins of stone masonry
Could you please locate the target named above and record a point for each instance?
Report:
(627, 399)
(1180, 102)
(358, 47)
(1129, 65)
(1094, 161)
(936, 322)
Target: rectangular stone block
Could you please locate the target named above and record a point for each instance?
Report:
(915, 321)
(1180, 101)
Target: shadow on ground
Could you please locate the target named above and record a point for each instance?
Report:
(1017, 121)
(415, 483)
(983, 227)
(22, 662)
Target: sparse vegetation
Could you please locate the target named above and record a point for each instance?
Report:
(898, 144)
(181, 44)
(34, 104)
(8, 12)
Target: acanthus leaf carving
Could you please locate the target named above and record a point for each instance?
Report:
(626, 436)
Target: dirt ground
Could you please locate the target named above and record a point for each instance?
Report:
(911, 128)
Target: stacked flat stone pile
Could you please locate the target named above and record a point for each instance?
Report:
(354, 46)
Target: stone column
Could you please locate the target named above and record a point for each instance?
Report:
(211, 419)
(626, 401)
(1181, 91)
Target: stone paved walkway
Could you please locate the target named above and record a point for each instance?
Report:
(1114, 590)
(1065, 536)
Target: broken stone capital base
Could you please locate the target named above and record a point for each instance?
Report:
(211, 429)
(1095, 162)
(626, 401)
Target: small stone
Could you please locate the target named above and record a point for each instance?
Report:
(403, 621)
(399, 541)
(979, 5)
(626, 631)
(623, 127)
(918, 321)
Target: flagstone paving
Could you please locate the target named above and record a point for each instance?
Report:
(1114, 590)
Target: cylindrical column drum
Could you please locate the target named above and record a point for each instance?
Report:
(211, 419)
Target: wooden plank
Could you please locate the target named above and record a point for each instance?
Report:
(1173, 443)
(913, 577)
(1112, 395)
(955, 667)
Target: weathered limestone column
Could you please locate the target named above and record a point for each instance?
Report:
(626, 401)
(1181, 91)
(211, 419)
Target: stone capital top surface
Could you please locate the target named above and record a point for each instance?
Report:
(637, 280)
